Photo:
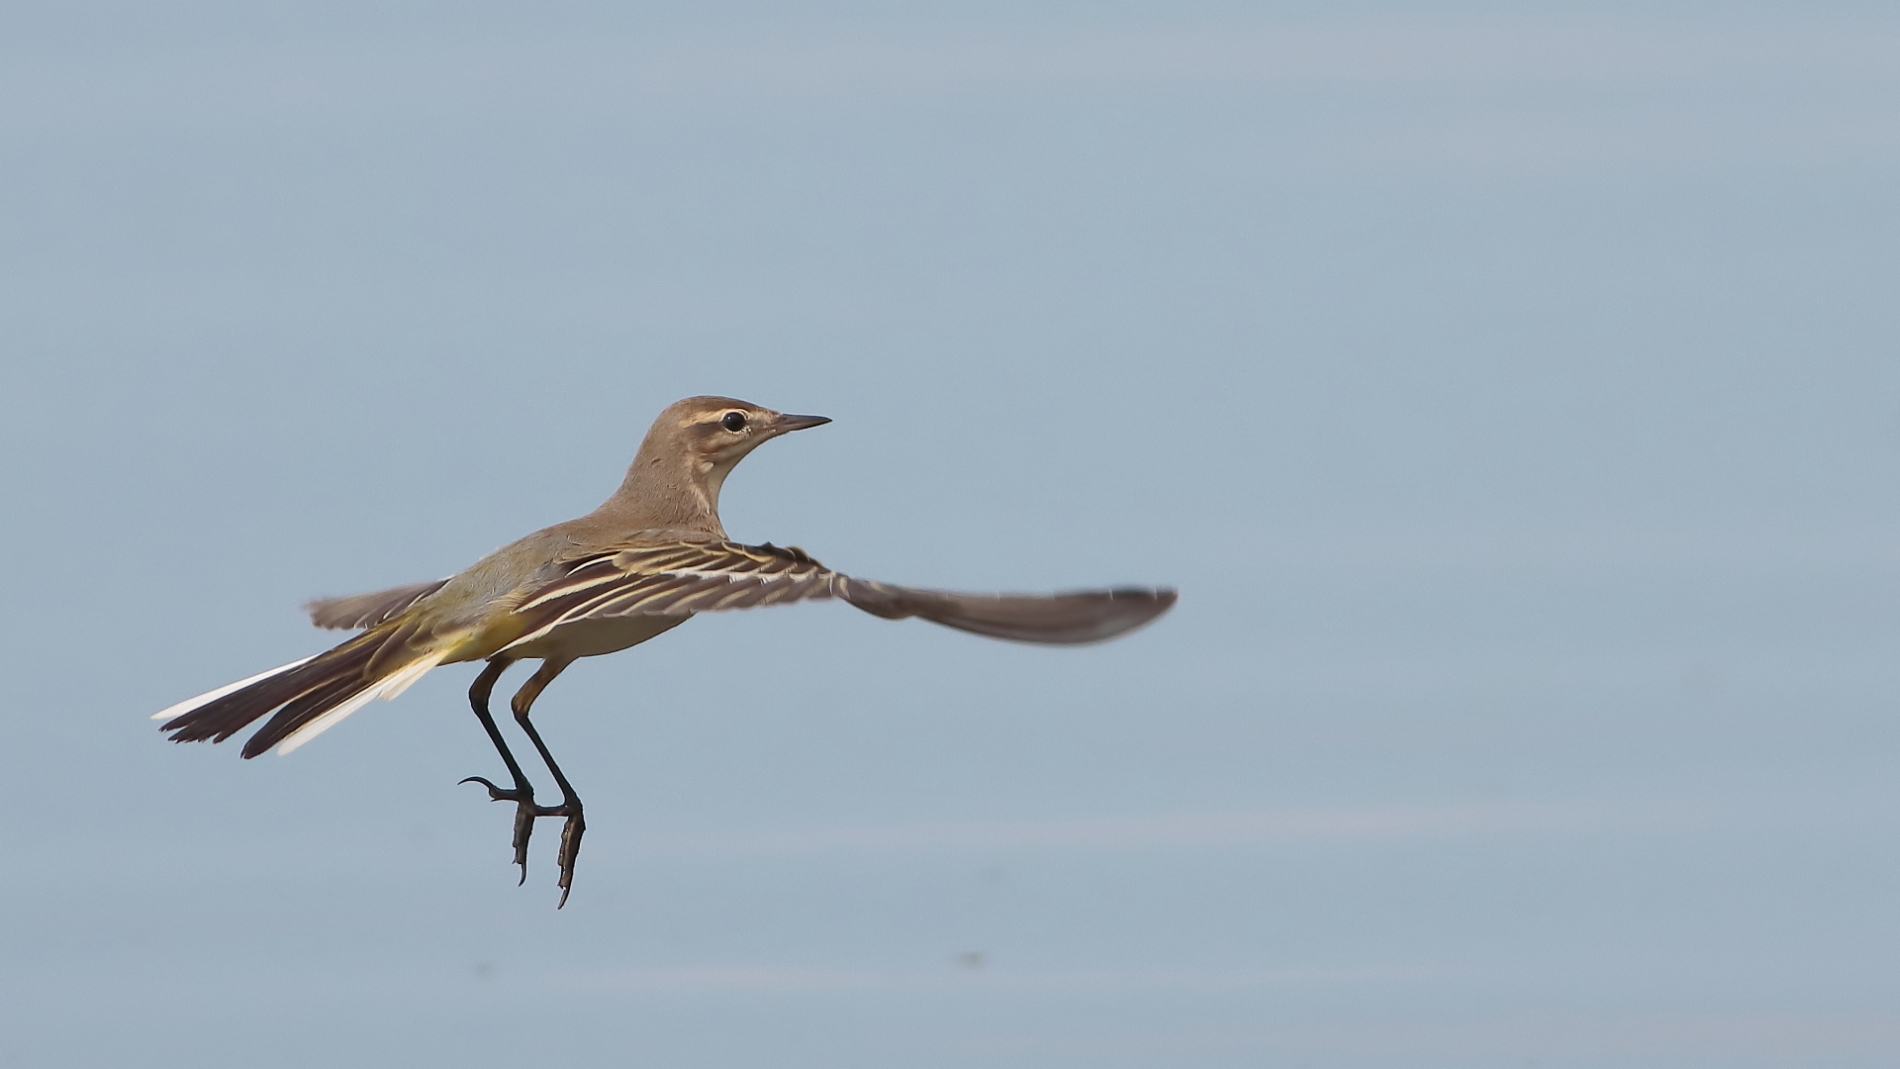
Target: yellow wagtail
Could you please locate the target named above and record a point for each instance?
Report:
(642, 563)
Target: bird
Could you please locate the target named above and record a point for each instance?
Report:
(651, 557)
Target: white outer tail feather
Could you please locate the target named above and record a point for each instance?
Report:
(386, 688)
(210, 696)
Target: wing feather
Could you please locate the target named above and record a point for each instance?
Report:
(672, 580)
(360, 611)
(686, 578)
(1070, 618)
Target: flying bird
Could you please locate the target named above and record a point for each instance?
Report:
(648, 559)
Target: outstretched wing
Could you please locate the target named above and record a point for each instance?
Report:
(683, 579)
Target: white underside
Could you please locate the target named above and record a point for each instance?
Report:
(210, 696)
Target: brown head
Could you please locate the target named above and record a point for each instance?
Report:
(690, 449)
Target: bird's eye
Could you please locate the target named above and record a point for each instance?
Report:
(734, 421)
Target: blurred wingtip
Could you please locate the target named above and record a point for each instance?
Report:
(1070, 618)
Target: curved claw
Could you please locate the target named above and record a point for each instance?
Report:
(500, 794)
(525, 813)
(571, 834)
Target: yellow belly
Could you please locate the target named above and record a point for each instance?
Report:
(591, 638)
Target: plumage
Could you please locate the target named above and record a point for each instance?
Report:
(367, 610)
(387, 689)
(650, 557)
(172, 711)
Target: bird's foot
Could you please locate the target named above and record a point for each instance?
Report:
(571, 833)
(525, 812)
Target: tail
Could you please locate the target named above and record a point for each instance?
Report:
(308, 696)
(1061, 619)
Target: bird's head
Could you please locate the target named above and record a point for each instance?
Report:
(708, 435)
(716, 432)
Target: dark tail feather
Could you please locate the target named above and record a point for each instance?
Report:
(310, 688)
(1065, 619)
(311, 705)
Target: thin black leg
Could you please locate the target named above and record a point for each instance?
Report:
(570, 806)
(522, 793)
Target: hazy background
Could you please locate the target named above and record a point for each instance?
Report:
(1510, 390)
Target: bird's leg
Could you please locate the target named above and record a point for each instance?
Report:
(570, 806)
(522, 793)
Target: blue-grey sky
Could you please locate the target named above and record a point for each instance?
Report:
(1512, 391)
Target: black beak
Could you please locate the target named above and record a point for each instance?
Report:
(785, 424)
